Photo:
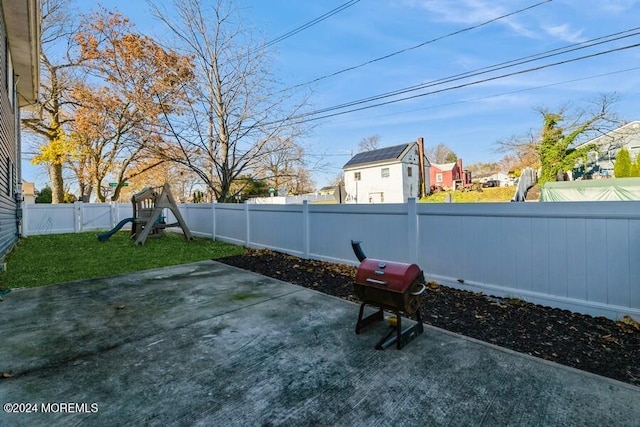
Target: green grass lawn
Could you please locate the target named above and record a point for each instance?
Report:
(56, 258)
(495, 194)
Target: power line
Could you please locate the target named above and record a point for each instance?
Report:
(473, 27)
(312, 23)
(485, 70)
(528, 70)
(497, 95)
(496, 67)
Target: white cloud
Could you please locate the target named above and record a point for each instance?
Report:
(613, 7)
(473, 12)
(463, 11)
(565, 33)
(619, 6)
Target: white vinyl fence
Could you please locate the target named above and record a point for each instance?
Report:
(72, 218)
(581, 256)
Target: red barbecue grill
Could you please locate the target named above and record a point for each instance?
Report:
(392, 286)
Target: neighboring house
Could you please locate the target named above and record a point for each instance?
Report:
(19, 81)
(600, 161)
(449, 175)
(311, 198)
(328, 190)
(337, 191)
(504, 179)
(386, 175)
(28, 192)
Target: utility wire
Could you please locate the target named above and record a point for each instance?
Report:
(497, 95)
(501, 66)
(312, 23)
(418, 45)
(496, 67)
(305, 118)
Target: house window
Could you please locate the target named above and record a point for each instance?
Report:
(9, 177)
(6, 63)
(356, 176)
(438, 177)
(11, 88)
(384, 172)
(409, 171)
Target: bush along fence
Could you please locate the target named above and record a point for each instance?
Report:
(580, 256)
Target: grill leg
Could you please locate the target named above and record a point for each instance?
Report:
(409, 334)
(389, 339)
(398, 336)
(362, 323)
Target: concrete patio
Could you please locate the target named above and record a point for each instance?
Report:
(210, 345)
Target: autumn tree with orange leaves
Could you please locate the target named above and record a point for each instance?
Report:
(133, 82)
(183, 181)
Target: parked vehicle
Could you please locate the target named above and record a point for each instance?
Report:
(491, 183)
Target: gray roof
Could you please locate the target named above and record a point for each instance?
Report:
(616, 138)
(379, 155)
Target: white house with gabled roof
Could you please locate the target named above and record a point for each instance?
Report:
(386, 175)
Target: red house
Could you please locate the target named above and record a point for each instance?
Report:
(449, 175)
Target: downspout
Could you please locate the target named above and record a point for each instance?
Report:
(17, 176)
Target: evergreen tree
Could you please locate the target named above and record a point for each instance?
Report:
(44, 196)
(622, 166)
(635, 167)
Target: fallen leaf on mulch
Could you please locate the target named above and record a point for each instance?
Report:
(593, 344)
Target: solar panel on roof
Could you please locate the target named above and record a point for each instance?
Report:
(386, 153)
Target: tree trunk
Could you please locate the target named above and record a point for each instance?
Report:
(85, 192)
(57, 189)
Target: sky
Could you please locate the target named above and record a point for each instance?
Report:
(428, 42)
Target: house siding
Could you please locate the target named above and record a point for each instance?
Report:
(411, 184)
(449, 176)
(397, 187)
(9, 151)
(445, 182)
(372, 188)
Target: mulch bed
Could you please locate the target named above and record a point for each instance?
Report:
(593, 344)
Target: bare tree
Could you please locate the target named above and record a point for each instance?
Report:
(338, 179)
(236, 107)
(482, 169)
(302, 182)
(521, 150)
(440, 153)
(556, 144)
(369, 143)
(283, 166)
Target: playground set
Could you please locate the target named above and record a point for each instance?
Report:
(148, 219)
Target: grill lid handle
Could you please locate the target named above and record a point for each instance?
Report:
(420, 292)
(377, 282)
